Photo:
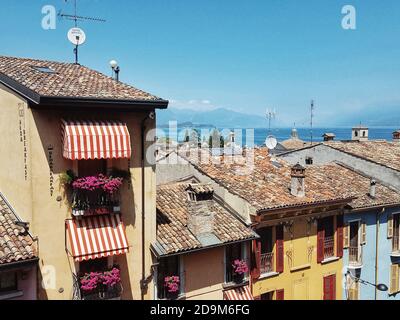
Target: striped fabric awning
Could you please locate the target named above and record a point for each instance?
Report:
(97, 237)
(240, 293)
(84, 140)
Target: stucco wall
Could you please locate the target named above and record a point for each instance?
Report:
(204, 274)
(367, 272)
(33, 200)
(308, 275)
(322, 154)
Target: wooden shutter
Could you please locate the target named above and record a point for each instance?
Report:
(394, 279)
(256, 259)
(330, 287)
(280, 294)
(363, 232)
(339, 240)
(346, 236)
(390, 226)
(279, 249)
(320, 242)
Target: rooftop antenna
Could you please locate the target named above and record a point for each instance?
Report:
(271, 141)
(312, 118)
(271, 114)
(76, 35)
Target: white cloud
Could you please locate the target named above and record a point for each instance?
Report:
(193, 104)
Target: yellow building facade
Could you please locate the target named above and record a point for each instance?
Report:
(299, 254)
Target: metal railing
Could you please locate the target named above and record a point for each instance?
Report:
(329, 247)
(109, 293)
(267, 263)
(355, 256)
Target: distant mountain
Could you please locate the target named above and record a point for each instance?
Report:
(388, 115)
(218, 117)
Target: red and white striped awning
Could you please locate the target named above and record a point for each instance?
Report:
(84, 140)
(97, 237)
(240, 293)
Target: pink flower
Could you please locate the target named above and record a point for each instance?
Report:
(240, 266)
(172, 284)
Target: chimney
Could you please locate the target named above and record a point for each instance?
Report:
(329, 136)
(200, 213)
(297, 185)
(372, 189)
(396, 136)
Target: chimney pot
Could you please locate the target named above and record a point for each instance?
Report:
(297, 186)
(372, 189)
(396, 136)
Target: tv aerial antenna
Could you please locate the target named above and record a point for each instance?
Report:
(76, 35)
(312, 109)
(271, 141)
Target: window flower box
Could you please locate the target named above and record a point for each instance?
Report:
(172, 286)
(240, 269)
(101, 285)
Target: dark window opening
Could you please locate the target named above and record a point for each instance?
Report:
(167, 267)
(8, 282)
(268, 296)
(309, 161)
(232, 253)
(92, 167)
(95, 265)
(356, 133)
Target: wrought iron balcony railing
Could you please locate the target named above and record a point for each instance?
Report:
(105, 293)
(267, 263)
(355, 256)
(329, 247)
(94, 202)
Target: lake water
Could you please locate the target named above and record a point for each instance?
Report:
(282, 134)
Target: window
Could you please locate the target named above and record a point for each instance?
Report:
(396, 232)
(268, 296)
(267, 250)
(330, 287)
(356, 133)
(8, 282)
(394, 279)
(92, 167)
(326, 239)
(309, 161)
(273, 295)
(96, 265)
(168, 267)
(232, 253)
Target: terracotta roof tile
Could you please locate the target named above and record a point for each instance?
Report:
(173, 234)
(15, 242)
(382, 152)
(267, 184)
(68, 81)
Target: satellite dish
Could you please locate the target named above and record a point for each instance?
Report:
(76, 36)
(271, 142)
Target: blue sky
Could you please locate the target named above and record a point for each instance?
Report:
(241, 55)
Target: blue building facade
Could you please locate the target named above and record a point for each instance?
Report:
(368, 259)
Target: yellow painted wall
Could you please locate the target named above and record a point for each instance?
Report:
(302, 278)
(34, 203)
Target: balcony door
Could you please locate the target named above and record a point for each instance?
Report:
(396, 232)
(354, 234)
(92, 167)
(267, 250)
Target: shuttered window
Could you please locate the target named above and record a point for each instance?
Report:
(363, 233)
(330, 287)
(390, 226)
(346, 236)
(320, 241)
(394, 278)
(339, 241)
(256, 259)
(280, 294)
(279, 249)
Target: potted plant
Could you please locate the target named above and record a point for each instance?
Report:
(240, 268)
(171, 284)
(101, 285)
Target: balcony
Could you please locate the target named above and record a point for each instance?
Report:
(355, 257)
(267, 263)
(98, 289)
(395, 245)
(86, 203)
(329, 248)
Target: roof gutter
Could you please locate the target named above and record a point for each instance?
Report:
(18, 264)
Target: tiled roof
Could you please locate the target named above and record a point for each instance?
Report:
(292, 143)
(173, 235)
(379, 151)
(267, 184)
(15, 242)
(68, 81)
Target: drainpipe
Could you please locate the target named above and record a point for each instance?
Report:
(378, 214)
(143, 281)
